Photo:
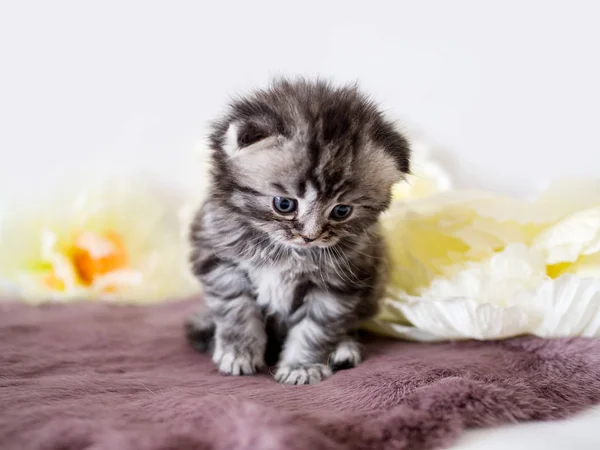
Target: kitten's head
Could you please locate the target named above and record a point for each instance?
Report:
(307, 162)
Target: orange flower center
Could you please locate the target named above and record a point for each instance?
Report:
(93, 255)
(96, 254)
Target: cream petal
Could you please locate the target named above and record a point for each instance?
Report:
(465, 318)
(569, 306)
(587, 266)
(494, 280)
(483, 300)
(572, 237)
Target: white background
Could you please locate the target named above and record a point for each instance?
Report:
(509, 90)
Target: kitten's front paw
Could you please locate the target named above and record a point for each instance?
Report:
(233, 362)
(309, 374)
(347, 355)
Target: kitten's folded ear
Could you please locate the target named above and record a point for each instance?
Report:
(237, 136)
(395, 144)
(248, 134)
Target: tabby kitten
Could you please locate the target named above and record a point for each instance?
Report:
(287, 243)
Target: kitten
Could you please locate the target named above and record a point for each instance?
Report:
(287, 243)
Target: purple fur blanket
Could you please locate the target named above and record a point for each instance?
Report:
(96, 376)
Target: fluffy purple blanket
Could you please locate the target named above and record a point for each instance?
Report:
(94, 376)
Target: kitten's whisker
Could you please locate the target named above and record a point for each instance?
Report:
(329, 257)
(320, 268)
(370, 256)
(279, 253)
(336, 266)
(347, 263)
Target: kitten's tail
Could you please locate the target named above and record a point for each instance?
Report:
(200, 330)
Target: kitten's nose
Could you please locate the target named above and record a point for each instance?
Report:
(307, 239)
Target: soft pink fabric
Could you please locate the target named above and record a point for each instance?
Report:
(94, 376)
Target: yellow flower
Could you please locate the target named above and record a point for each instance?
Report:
(116, 240)
(479, 265)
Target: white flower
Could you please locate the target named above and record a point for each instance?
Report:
(472, 264)
(477, 302)
(506, 295)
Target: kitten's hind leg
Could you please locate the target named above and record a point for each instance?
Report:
(346, 355)
(200, 330)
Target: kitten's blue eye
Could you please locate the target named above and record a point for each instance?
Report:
(285, 205)
(340, 212)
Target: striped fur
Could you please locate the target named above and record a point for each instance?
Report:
(265, 287)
